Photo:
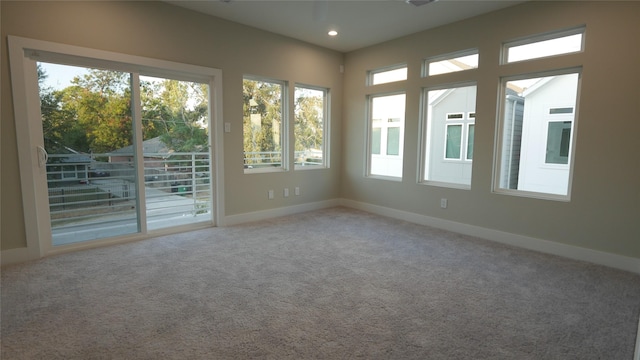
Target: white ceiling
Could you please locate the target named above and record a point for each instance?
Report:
(360, 23)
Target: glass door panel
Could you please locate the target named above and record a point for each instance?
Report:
(88, 135)
(176, 150)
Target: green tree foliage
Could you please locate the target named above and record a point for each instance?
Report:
(102, 101)
(94, 113)
(57, 128)
(309, 108)
(262, 119)
(185, 109)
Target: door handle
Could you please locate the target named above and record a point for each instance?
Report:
(43, 156)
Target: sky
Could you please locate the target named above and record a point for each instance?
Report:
(60, 76)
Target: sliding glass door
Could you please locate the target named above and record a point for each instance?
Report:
(103, 179)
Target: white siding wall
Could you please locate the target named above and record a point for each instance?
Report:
(535, 175)
(439, 168)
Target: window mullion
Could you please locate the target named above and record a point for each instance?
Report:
(136, 110)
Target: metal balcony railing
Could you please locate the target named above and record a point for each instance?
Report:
(99, 189)
(262, 159)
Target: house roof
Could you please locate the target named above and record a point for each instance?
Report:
(537, 85)
(151, 146)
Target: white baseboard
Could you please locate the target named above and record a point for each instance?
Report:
(278, 212)
(14, 256)
(626, 263)
(550, 247)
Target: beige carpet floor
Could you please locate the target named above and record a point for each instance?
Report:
(329, 284)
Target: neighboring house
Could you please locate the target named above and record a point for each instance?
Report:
(547, 133)
(387, 135)
(537, 126)
(154, 151)
(451, 127)
(68, 165)
(512, 139)
(156, 164)
(163, 168)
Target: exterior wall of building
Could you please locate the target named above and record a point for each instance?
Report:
(512, 141)
(460, 100)
(535, 174)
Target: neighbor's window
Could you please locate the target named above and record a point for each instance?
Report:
(444, 64)
(471, 129)
(376, 137)
(310, 108)
(536, 47)
(387, 75)
(558, 140)
(263, 124)
(537, 132)
(450, 128)
(386, 134)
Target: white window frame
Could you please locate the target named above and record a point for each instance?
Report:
(371, 74)
(466, 139)
(384, 125)
(426, 64)
(31, 156)
(446, 139)
(425, 140)
(466, 120)
(452, 119)
(326, 126)
(530, 40)
(498, 143)
(555, 118)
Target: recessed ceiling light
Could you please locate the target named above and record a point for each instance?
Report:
(332, 33)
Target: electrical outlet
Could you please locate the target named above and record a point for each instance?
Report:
(443, 203)
(297, 190)
(286, 192)
(270, 194)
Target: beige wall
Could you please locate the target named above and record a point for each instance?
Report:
(604, 211)
(161, 31)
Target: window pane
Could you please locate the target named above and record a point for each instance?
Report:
(538, 49)
(309, 126)
(175, 130)
(376, 136)
(454, 138)
(387, 129)
(387, 76)
(470, 136)
(558, 138)
(533, 136)
(450, 119)
(453, 64)
(262, 123)
(393, 141)
(86, 117)
(566, 110)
